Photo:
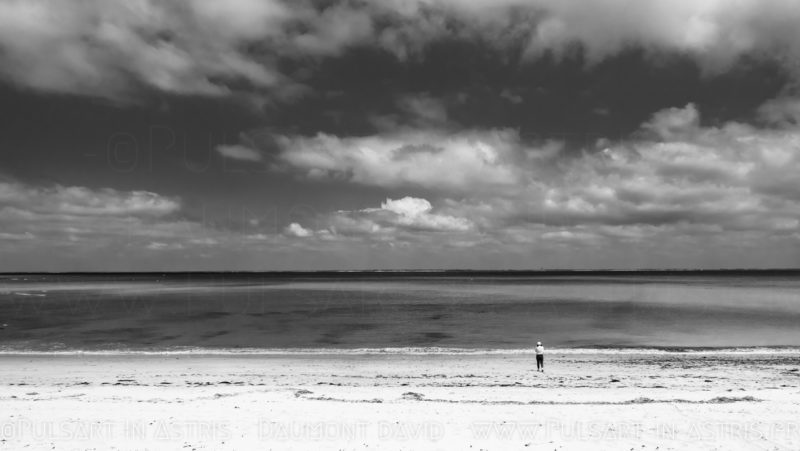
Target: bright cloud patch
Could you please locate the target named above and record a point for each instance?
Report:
(408, 218)
(429, 159)
(416, 213)
(296, 230)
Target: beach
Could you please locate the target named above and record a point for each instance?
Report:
(593, 399)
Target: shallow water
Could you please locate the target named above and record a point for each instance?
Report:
(418, 311)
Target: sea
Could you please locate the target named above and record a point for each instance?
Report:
(400, 312)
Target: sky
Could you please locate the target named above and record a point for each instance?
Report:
(399, 134)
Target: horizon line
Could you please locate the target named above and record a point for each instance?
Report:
(402, 271)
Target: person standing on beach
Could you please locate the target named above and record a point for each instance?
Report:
(539, 356)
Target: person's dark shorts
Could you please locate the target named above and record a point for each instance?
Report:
(539, 359)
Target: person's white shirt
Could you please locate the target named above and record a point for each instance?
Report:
(539, 350)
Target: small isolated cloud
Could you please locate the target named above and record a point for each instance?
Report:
(296, 230)
(416, 213)
(672, 122)
(512, 97)
(159, 246)
(239, 152)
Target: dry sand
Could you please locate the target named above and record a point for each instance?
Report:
(583, 401)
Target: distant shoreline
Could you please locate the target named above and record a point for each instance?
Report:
(436, 272)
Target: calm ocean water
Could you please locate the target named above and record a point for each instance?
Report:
(442, 310)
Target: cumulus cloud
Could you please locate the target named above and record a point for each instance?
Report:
(397, 220)
(80, 228)
(417, 213)
(732, 178)
(673, 121)
(239, 152)
(92, 219)
(81, 201)
(296, 230)
(717, 33)
(431, 159)
(674, 180)
(112, 48)
(66, 215)
(107, 48)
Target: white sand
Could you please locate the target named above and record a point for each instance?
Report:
(400, 402)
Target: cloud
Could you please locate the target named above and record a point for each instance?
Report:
(735, 178)
(672, 121)
(415, 111)
(69, 215)
(424, 109)
(428, 158)
(107, 48)
(673, 171)
(16, 236)
(94, 219)
(716, 33)
(296, 230)
(114, 48)
(159, 246)
(781, 111)
(80, 201)
(509, 95)
(416, 213)
(396, 221)
(80, 228)
(674, 181)
(239, 152)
